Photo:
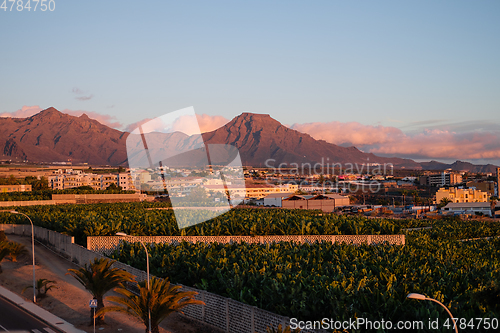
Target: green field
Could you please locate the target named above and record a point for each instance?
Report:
(311, 282)
(81, 221)
(308, 281)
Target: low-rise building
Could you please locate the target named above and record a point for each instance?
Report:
(257, 191)
(461, 195)
(15, 188)
(276, 199)
(324, 202)
(468, 208)
(69, 178)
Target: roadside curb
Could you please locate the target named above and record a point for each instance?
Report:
(37, 311)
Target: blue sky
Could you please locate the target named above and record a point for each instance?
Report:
(423, 67)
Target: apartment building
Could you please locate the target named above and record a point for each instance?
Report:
(485, 186)
(458, 195)
(69, 178)
(441, 179)
(253, 191)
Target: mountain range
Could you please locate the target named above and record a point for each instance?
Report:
(459, 166)
(52, 136)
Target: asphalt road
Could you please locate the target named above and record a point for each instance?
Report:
(13, 319)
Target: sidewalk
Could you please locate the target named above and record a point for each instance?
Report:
(70, 301)
(37, 311)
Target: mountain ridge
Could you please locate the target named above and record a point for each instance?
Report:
(52, 136)
(261, 138)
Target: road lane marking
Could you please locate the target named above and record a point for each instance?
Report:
(35, 331)
(49, 330)
(6, 330)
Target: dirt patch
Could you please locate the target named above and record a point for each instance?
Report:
(70, 301)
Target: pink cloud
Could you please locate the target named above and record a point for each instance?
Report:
(104, 119)
(186, 124)
(391, 141)
(352, 133)
(444, 144)
(210, 123)
(28, 111)
(24, 112)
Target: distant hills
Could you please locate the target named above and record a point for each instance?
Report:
(261, 138)
(52, 136)
(459, 166)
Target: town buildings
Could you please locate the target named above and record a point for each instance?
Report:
(458, 195)
(69, 178)
(256, 191)
(485, 186)
(440, 179)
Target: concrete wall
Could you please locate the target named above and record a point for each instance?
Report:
(58, 199)
(35, 203)
(100, 198)
(107, 244)
(224, 313)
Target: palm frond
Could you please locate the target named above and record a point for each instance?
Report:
(162, 299)
(99, 277)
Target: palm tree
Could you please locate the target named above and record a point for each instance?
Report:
(99, 278)
(321, 181)
(16, 250)
(414, 193)
(42, 284)
(4, 251)
(163, 299)
(404, 193)
(444, 202)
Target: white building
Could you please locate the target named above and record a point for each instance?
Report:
(468, 208)
(65, 179)
(275, 199)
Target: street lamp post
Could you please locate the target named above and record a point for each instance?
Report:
(425, 298)
(147, 271)
(32, 246)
